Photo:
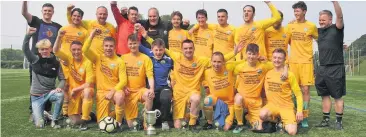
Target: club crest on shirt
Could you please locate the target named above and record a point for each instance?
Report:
(81, 70)
(139, 63)
(283, 35)
(259, 71)
(228, 32)
(305, 29)
(194, 64)
(162, 62)
(253, 28)
(225, 73)
(111, 66)
(80, 33)
(179, 36)
(49, 33)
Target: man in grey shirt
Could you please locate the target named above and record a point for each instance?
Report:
(46, 68)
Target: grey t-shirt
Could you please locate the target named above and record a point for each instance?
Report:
(41, 84)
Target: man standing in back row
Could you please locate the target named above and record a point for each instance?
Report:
(330, 79)
(301, 34)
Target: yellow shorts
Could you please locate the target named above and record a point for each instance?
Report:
(75, 103)
(103, 107)
(304, 73)
(287, 115)
(131, 103)
(180, 105)
(253, 105)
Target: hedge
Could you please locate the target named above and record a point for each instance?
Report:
(12, 64)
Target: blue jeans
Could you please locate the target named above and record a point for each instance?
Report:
(38, 103)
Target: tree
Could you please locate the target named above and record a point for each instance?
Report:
(141, 16)
(190, 26)
(360, 44)
(9, 54)
(165, 18)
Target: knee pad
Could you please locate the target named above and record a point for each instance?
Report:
(209, 102)
(166, 93)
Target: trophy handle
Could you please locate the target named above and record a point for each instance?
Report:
(158, 113)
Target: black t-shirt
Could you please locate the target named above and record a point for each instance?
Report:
(44, 30)
(330, 45)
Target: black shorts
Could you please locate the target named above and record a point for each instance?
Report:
(330, 80)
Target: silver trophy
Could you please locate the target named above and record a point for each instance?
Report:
(151, 117)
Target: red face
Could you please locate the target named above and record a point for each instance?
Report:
(76, 18)
(188, 50)
(153, 17)
(176, 20)
(278, 59)
(299, 13)
(45, 52)
(102, 15)
(248, 14)
(47, 13)
(217, 62)
(222, 18)
(325, 20)
(201, 19)
(133, 16)
(76, 51)
(108, 47)
(133, 45)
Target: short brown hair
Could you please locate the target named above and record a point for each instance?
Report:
(218, 53)
(132, 37)
(279, 50)
(252, 48)
(158, 42)
(177, 13)
(109, 39)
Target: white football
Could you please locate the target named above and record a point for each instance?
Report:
(108, 124)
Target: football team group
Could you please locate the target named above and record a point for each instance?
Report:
(241, 74)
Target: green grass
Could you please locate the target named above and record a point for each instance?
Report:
(15, 101)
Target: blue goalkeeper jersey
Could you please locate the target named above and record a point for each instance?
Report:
(161, 67)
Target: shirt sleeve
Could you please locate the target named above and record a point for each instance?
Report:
(35, 23)
(62, 55)
(172, 54)
(149, 68)
(230, 65)
(117, 14)
(122, 77)
(314, 33)
(27, 53)
(269, 22)
(89, 54)
(296, 89)
(145, 50)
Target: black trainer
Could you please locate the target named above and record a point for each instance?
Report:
(338, 126)
(193, 128)
(207, 126)
(83, 126)
(323, 123)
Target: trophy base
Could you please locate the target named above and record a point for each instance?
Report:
(150, 132)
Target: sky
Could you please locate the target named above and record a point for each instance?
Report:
(13, 25)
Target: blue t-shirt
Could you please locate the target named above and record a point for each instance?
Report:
(44, 31)
(161, 67)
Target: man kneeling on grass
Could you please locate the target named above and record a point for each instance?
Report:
(46, 68)
(279, 95)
